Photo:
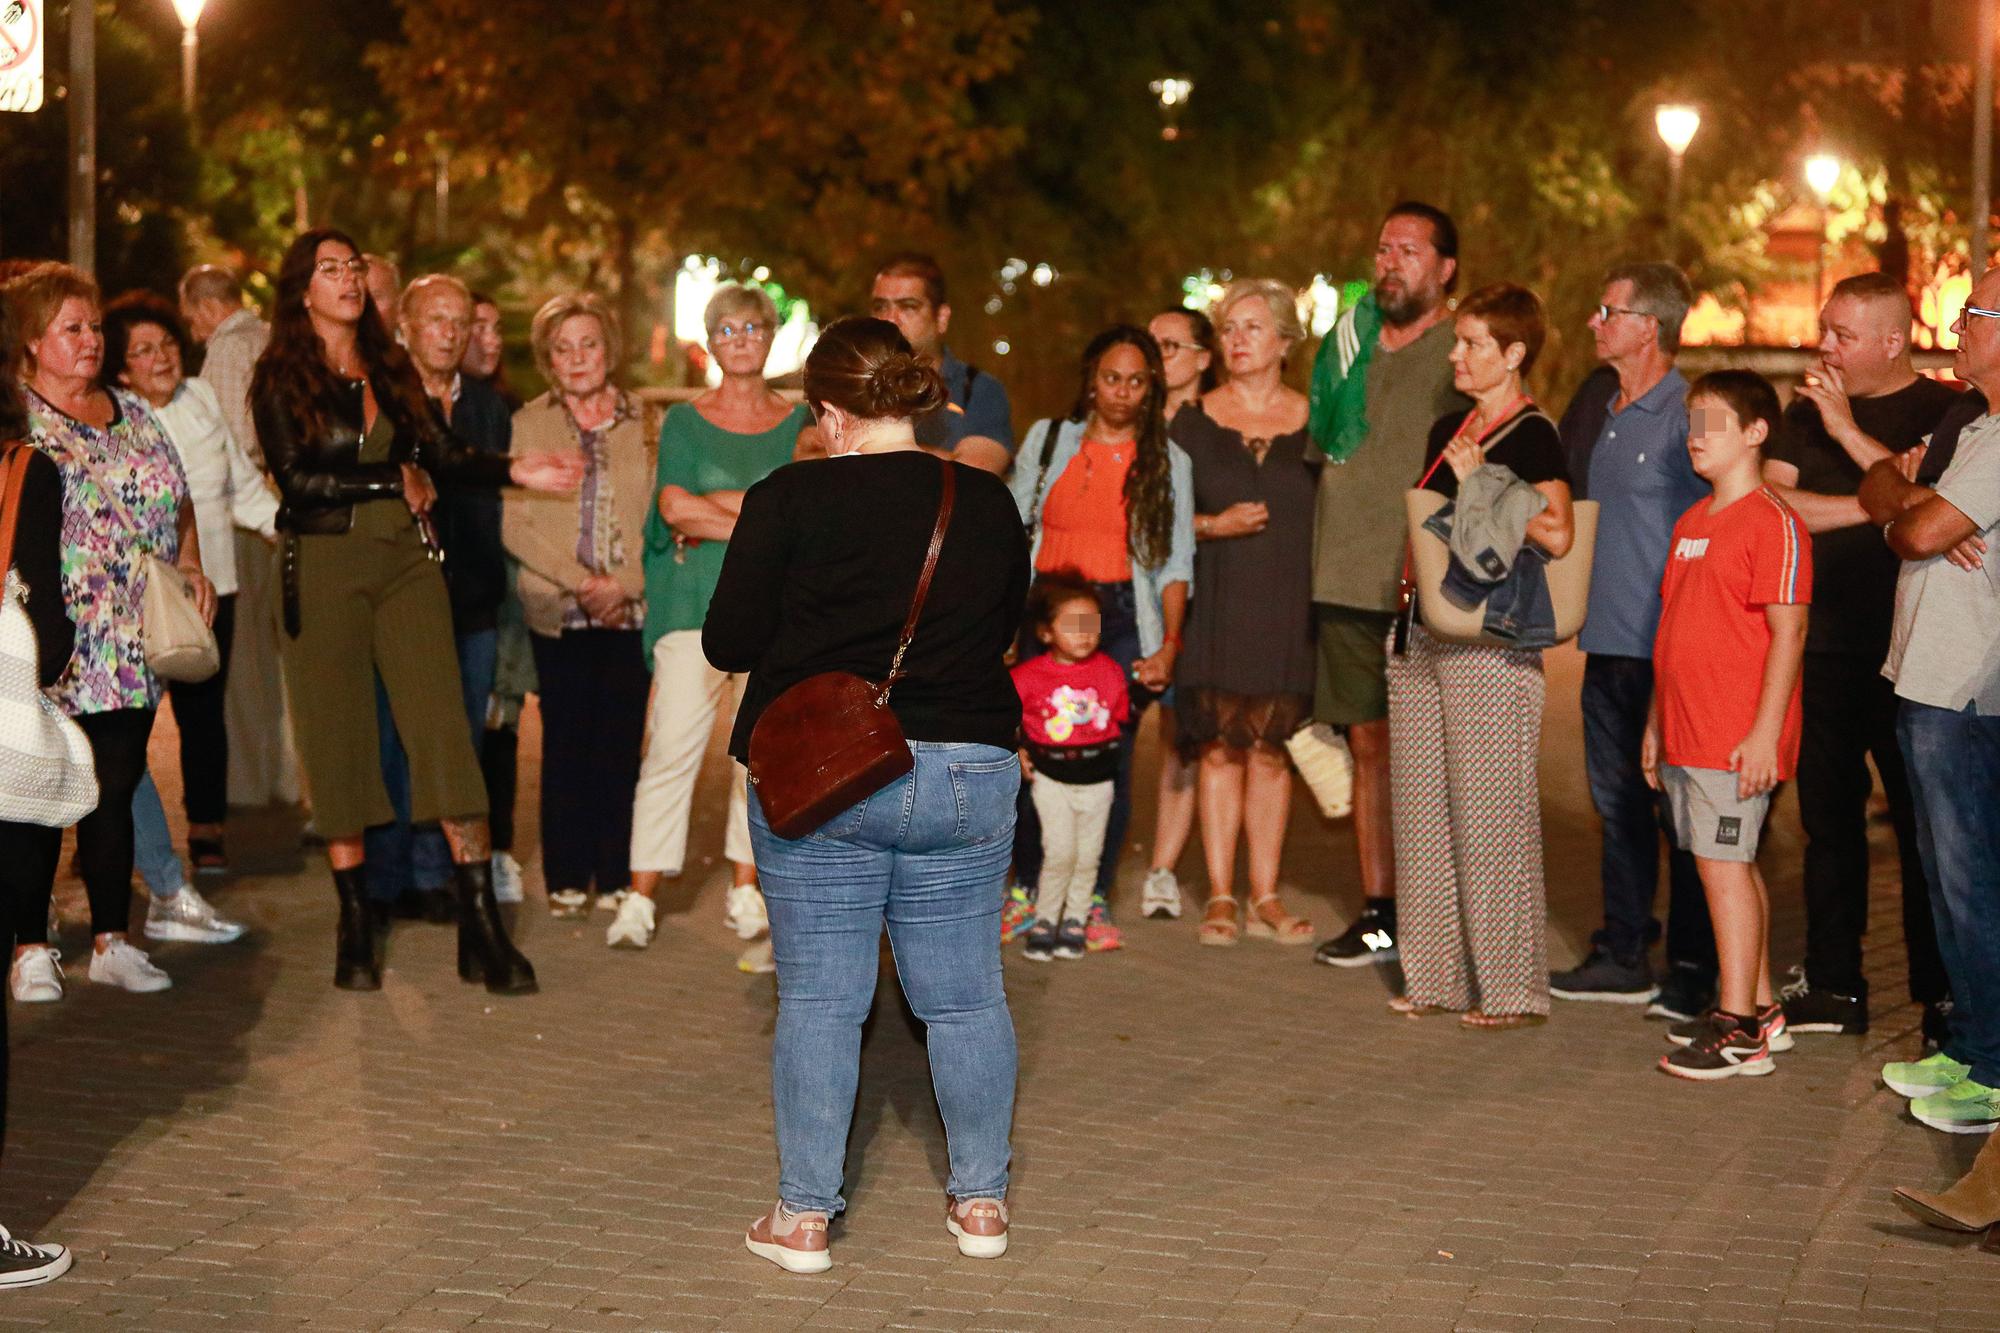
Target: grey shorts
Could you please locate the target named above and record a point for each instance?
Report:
(1709, 820)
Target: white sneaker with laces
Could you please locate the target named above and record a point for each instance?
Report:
(1162, 894)
(611, 902)
(506, 878)
(190, 918)
(25, 1265)
(633, 928)
(120, 964)
(745, 913)
(37, 976)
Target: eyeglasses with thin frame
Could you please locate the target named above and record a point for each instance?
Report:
(1605, 312)
(1174, 347)
(753, 330)
(333, 268)
(1976, 312)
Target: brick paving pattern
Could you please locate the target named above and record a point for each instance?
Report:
(1206, 1138)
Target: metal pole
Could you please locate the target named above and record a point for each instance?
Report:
(1673, 201)
(83, 134)
(443, 190)
(189, 45)
(1982, 142)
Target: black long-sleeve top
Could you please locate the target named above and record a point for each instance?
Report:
(38, 561)
(819, 577)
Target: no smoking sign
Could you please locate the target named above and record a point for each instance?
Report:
(21, 55)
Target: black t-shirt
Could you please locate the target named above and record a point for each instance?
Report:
(1529, 447)
(1854, 571)
(820, 573)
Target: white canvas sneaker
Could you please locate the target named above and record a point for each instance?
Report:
(611, 902)
(633, 928)
(37, 976)
(190, 918)
(1162, 895)
(506, 878)
(128, 968)
(745, 913)
(567, 902)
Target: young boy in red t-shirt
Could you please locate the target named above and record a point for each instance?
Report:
(1724, 731)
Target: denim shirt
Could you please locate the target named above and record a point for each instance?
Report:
(1148, 583)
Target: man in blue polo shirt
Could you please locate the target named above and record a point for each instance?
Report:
(1640, 476)
(976, 426)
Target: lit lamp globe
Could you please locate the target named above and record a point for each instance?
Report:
(189, 11)
(1677, 123)
(1822, 174)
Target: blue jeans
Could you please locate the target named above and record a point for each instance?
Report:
(153, 844)
(1617, 694)
(928, 855)
(1954, 768)
(401, 857)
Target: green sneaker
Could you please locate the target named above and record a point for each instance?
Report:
(1965, 1107)
(1921, 1078)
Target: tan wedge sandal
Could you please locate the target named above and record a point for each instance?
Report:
(1218, 929)
(1260, 923)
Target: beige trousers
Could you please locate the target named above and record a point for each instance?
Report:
(263, 762)
(687, 694)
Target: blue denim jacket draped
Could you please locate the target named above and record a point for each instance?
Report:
(1148, 583)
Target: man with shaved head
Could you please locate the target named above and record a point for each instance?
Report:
(1862, 403)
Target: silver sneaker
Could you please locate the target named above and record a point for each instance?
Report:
(37, 976)
(189, 918)
(1162, 895)
(128, 968)
(506, 878)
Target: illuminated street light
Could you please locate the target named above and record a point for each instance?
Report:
(1677, 123)
(1173, 93)
(1822, 174)
(190, 14)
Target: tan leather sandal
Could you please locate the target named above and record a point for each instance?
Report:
(1218, 928)
(1283, 928)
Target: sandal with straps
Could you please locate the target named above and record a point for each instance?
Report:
(1216, 929)
(1284, 929)
(1478, 1020)
(1410, 1008)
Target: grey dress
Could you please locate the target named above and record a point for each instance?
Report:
(1245, 674)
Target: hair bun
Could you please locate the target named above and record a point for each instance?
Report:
(902, 386)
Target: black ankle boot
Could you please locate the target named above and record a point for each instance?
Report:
(484, 951)
(356, 965)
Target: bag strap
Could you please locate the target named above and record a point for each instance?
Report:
(1042, 476)
(949, 493)
(14, 468)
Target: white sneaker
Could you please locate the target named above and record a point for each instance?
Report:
(611, 902)
(1162, 894)
(37, 976)
(633, 929)
(506, 878)
(189, 918)
(128, 968)
(757, 959)
(567, 902)
(745, 913)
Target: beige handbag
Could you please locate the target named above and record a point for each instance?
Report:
(1568, 578)
(180, 646)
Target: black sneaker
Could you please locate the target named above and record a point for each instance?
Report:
(1072, 941)
(1605, 978)
(1723, 1049)
(1808, 1009)
(1771, 1025)
(1688, 992)
(25, 1265)
(1937, 1025)
(1040, 945)
(1371, 939)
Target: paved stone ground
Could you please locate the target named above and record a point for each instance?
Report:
(1205, 1139)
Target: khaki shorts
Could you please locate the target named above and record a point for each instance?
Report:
(1709, 819)
(1352, 683)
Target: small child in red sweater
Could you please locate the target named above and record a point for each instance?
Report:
(1073, 703)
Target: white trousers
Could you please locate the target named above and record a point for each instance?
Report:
(1074, 818)
(687, 692)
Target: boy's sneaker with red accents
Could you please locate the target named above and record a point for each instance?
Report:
(1099, 932)
(1724, 1049)
(1017, 914)
(1770, 1022)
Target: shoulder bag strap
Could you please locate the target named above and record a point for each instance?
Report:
(949, 492)
(1042, 476)
(14, 466)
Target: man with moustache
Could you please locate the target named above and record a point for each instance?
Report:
(1862, 404)
(1358, 538)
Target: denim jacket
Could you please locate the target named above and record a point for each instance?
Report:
(1031, 491)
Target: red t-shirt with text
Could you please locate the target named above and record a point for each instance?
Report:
(1724, 567)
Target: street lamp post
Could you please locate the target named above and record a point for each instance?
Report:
(1676, 123)
(190, 15)
(1822, 174)
(1173, 93)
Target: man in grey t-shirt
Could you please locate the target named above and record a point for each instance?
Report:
(1944, 656)
(1358, 536)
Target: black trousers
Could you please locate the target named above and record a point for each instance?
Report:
(1850, 717)
(500, 765)
(204, 730)
(103, 837)
(593, 693)
(29, 854)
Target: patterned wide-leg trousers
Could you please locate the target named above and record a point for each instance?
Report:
(1465, 728)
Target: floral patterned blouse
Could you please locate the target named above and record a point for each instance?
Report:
(103, 578)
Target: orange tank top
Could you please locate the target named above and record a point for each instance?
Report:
(1084, 528)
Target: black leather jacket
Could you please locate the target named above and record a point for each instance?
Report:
(321, 478)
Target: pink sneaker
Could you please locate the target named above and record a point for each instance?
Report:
(979, 1224)
(1017, 915)
(1100, 936)
(795, 1242)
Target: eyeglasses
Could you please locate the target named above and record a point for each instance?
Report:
(333, 268)
(1174, 347)
(1605, 312)
(749, 329)
(1977, 312)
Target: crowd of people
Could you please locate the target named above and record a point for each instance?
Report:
(394, 551)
